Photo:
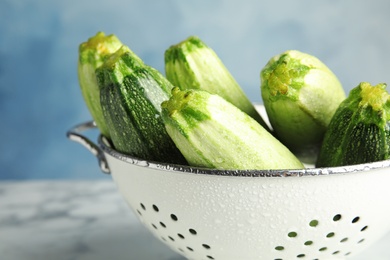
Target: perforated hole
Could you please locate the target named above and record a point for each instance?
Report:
(279, 248)
(314, 223)
(292, 234)
(355, 220)
(308, 243)
(364, 228)
(337, 217)
(192, 231)
(329, 235)
(206, 246)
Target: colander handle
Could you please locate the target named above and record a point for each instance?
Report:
(74, 134)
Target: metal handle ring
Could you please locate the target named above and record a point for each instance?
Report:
(74, 134)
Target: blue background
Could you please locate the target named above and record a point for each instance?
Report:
(39, 94)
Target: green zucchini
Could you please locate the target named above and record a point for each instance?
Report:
(359, 131)
(131, 94)
(300, 94)
(211, 132)
(92, 54)
(191, 64)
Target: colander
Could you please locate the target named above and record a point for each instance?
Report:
(314, 213)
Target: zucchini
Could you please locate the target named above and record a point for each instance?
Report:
(300, 94)
(211, 132)
(191, 64)
(131, 94)
(92, 54)
(359, 131)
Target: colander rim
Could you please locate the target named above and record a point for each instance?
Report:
(310, 171)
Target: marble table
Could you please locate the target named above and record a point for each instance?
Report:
(85, 220)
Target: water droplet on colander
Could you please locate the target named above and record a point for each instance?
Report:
(238, 208)
(308, 192)
(252, 221)
(219, 160)
(143, 163)
(273, 226)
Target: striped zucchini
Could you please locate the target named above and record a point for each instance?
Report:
(359, 131)
(131, 94)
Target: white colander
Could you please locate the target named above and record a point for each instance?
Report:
(328, 213)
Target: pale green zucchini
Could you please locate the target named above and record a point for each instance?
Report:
(191, 64)
(211, 132)
(300, 94)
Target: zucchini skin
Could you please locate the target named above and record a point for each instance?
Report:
(92, 54)
(300, 94)
(131, 94)
(211, 132)
(359, 130)
(191, 64)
